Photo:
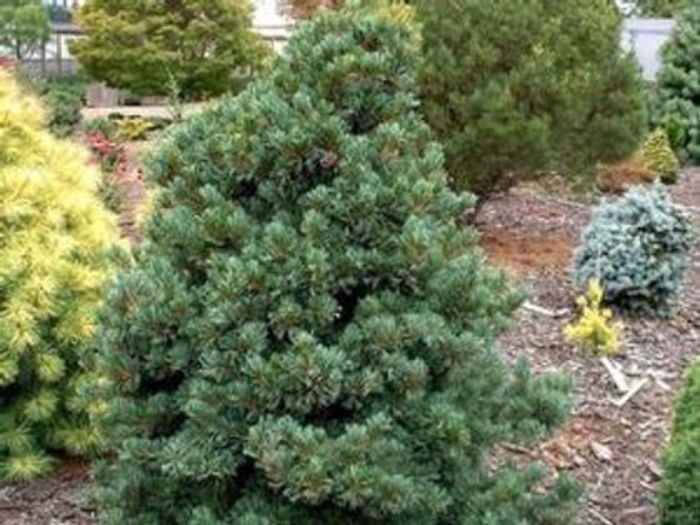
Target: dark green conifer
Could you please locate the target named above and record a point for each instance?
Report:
(516, 89)
(309, 336)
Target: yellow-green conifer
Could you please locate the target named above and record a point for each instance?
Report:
(56, 240)
(595, 329)
(659, 156)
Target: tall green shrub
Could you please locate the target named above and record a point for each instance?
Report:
(55, 241)
(518, 88)
(308, 336)
(679, 493)
(677, 108)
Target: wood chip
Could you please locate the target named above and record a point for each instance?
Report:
(636, 387)
(618, 377)
(600, 517)
(636, 511)
(512, 447)
(527, 305)
(663, 385)
(602, 452)
(654, 468)
(648, 486)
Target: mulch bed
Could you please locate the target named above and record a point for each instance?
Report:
(613, 450)
(57, 500)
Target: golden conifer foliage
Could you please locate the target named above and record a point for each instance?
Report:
(56, 245)
(595, 329)
(659, 156)
(397, 11)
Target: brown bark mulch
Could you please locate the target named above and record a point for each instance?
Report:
(613, 450)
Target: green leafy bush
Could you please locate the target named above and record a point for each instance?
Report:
(679, 494)
(637, 247)
(677, 108)
(659, 157)
(308, 335)
(200, 44)
(54, 268)
(65, 99)
(133, 128)
(102, 126)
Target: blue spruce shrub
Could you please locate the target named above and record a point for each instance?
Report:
(637, 246)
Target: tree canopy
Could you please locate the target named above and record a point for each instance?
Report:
(24, 27)
(146, 46)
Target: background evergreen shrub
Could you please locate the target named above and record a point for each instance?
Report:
(677, 108)
(637, 246)
(517, 89)
(205, 47)
(64, 98)
(308, 335)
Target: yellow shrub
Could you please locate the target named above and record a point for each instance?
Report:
(594, 330)
(398, 12)
(659, 157)
(133, 128)
(56, 241)
(395, 11)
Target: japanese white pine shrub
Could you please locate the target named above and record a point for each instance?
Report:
(308, 334)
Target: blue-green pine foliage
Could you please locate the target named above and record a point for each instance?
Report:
(637, 246)
(308, 337)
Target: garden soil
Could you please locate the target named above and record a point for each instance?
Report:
(611, 447)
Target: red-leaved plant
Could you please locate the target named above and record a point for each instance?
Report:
(114, 165)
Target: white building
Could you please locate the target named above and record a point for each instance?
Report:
(646, 37)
